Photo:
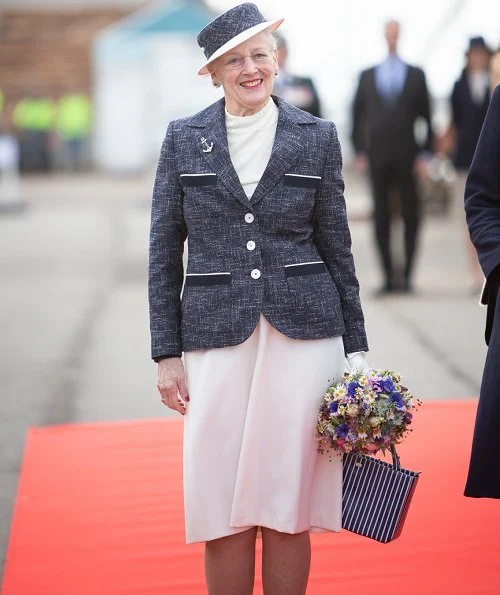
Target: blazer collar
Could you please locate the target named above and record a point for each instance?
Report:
(210, 125)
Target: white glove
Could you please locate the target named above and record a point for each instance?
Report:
(357, 362)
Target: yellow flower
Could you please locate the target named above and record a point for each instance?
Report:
(339, 392)
(374, 422)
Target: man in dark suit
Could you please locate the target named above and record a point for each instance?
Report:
(390, 102)
(297, 90)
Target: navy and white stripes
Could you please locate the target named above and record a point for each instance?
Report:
(376, 497)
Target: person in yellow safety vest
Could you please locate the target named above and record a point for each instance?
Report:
(34, 117)
(73, 123)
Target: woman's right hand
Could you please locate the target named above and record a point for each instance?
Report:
(172, 384)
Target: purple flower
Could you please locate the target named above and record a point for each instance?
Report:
(334, 406)
(342, 430)
(387, 385)
(397, 399)
(376, 384)
(351, 388)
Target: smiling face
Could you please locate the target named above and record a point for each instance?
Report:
(247, 74)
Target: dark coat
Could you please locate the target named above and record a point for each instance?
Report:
(468, 118)
(386, 131)
(301, 92)
(482, 207)
(286, 252)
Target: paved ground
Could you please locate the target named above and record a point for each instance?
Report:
(73, 311)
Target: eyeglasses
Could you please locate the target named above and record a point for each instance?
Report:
(258, 58)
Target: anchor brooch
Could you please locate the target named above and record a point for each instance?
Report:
(207, 148)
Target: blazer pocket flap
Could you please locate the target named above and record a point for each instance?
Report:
(305, 268)
(199, 179)
(302, 181)
(207, 279)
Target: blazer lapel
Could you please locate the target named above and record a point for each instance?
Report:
(287, 147)
(406, 90)
(211, 140)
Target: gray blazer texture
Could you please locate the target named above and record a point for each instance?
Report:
(285, 252)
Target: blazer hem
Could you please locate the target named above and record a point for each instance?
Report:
(311, 333)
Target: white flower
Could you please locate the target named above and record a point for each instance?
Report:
(352, 410)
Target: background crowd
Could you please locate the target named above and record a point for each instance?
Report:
(50, 132)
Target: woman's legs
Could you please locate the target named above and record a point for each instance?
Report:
(230, 564)
(286, 559)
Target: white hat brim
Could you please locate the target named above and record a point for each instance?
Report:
(240, 38)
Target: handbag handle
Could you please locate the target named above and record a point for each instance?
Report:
(396, 463)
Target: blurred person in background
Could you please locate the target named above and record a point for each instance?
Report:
(34, 118)
(270, 306)
(297, 90)
(9, 166)
(73, 124)
(469, 103)
(482, 209)
(9, 159)
(390, 100)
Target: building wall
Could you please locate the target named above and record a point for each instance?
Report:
(49, 51)
(65, 4)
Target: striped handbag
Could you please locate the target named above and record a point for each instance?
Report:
(376, 496)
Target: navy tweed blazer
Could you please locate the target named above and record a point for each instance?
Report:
(285, 253)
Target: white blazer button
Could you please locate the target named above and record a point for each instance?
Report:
(250, 245)
(255, 274)
(249, 218)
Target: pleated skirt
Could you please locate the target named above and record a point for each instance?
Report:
(250, 451)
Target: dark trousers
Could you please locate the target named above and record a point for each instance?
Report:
(399, 182)
(35, 151)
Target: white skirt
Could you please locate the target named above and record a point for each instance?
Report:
(250, 454)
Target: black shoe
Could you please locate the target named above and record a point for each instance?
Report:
(407, 287)
(383, 291)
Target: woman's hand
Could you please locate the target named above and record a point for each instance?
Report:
(172, 384)
(358, 362)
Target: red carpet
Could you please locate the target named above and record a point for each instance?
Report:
(99, 511)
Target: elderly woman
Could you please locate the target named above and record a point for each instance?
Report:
(269, 309)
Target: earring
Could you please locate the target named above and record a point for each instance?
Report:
(276, 73)
(216, 84)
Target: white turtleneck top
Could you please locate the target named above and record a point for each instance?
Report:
(250, 141)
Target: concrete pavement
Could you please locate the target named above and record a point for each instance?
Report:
(73, 311)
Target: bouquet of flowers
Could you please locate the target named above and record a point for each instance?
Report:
(365, 412)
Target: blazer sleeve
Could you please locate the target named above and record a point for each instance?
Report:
(425, 111)
(358, 134)
(455, 105)
(166, 246)
(333, 241)
(482, 191)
